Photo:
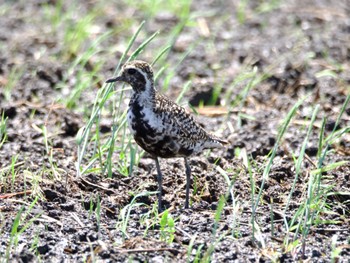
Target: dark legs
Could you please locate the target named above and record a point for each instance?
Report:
(159, 178)
(188, 182)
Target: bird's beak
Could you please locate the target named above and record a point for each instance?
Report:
(119, 78)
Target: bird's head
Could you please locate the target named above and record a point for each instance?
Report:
(138, 74)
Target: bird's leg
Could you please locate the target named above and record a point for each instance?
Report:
(188, 182)
(159, 178)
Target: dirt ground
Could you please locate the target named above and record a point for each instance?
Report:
(303, 49)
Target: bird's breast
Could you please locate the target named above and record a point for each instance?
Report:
(151, 132)
(143, 120)
(146, 126)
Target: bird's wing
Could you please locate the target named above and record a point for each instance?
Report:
(178, 121)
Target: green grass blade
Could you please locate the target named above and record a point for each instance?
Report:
(142, 46)
(267, 169)
(301, 156)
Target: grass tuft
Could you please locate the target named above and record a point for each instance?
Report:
(3, 129)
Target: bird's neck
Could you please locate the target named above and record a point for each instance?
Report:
(146, 97)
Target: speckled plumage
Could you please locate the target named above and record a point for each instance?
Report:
(160, 126)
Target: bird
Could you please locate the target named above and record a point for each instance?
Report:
(159, 126)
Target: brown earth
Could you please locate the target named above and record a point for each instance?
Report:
(293, 44)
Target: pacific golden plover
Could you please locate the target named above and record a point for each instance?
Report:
(160, 126)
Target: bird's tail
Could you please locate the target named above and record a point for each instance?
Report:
(215, 142)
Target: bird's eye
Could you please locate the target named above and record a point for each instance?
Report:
(131, 71)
